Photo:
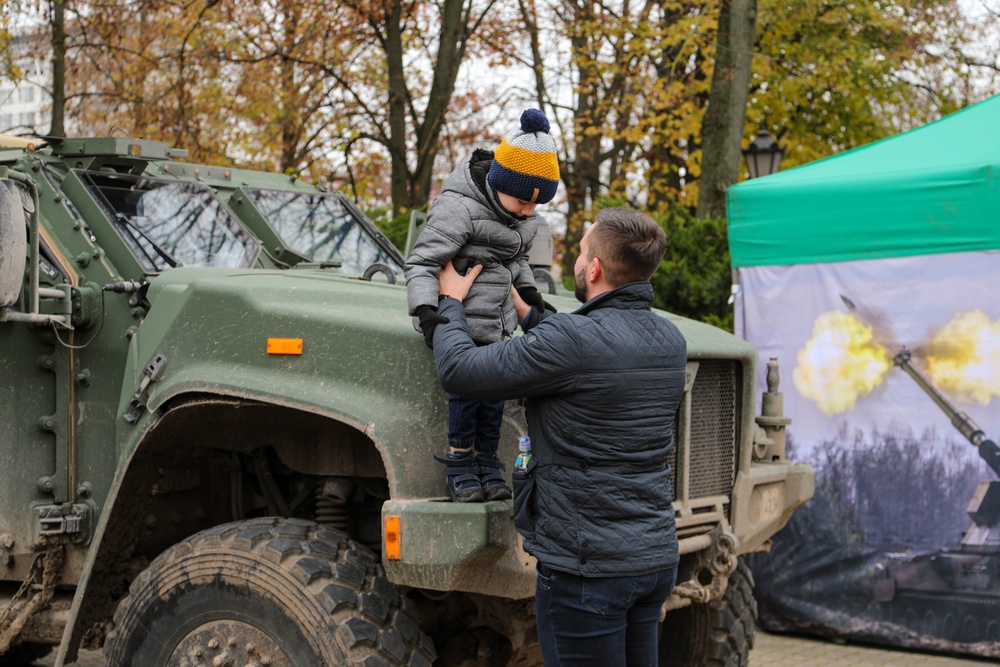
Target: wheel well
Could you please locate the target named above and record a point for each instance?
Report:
(209, 460)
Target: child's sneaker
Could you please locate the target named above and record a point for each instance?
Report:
(463, 477)
(494, 485)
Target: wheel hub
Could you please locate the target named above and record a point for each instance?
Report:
(228, 643)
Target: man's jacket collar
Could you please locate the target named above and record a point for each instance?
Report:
(630, 296)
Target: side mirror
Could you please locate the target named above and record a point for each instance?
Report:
(418, 220)
(540, 257)
(13, 244)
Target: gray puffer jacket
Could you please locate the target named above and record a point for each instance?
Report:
(602, 385)
(466, 224)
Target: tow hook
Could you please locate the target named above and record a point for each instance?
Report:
(708, 579)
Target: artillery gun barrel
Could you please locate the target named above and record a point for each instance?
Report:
(988, 449)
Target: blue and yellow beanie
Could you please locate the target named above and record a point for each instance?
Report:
(525, 164)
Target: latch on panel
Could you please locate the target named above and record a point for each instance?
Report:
(152, 373)
(72, 519)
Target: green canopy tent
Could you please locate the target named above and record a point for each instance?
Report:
(840, 265)
(933, 189)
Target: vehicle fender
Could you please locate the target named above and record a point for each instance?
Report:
(361, 361)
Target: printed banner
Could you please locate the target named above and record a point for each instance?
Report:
(888, 367)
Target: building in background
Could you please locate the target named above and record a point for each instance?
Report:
(26, 105)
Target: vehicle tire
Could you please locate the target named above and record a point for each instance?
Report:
(279, 592)
(717, 634)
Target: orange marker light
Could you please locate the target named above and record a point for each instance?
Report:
(284, 346)
(393, 541)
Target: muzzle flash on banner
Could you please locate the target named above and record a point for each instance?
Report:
(840, 363)
(964, 356)
(843, 361)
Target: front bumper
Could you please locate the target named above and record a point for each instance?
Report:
(765, 498)
(469, 547)
(473, 547)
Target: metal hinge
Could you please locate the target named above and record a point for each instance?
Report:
(152, 373)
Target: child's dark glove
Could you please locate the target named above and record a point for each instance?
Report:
(532, 297)
(429, 319)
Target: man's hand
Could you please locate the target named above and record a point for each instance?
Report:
(452, 283)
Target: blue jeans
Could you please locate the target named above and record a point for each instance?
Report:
(474, 423)
(600, 621)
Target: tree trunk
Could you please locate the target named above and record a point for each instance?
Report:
(722, 126)
(291, 126)
(398, 95)
(451, 52)
(582, 177)
(663, 180)
(58, 128)
(411, 187)
(583, 185)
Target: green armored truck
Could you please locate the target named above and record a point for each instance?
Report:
(216, 429)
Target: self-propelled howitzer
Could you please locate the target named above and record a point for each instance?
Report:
(952, 594)
(988, 449)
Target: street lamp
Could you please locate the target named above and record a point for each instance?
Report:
(763, 155)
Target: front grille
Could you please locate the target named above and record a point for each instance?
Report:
(714, 431)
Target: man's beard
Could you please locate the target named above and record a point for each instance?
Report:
(580, 285)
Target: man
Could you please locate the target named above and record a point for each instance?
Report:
(602, 385)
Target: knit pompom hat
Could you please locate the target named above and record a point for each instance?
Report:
(525, 164)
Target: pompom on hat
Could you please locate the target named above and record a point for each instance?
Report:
(525, 165)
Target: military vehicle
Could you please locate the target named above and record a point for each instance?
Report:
(217, 424)
(953, 594)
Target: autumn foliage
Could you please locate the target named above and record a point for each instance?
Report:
(382, 98)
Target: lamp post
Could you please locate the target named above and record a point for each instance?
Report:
(763, 155)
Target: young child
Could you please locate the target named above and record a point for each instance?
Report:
(484, 215)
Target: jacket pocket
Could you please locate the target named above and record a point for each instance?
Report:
(524, 500)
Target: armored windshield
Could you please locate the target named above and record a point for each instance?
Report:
(168, 223)
(323, 228)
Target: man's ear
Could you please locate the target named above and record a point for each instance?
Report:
(596, 270)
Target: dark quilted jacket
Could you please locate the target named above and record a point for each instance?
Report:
(603, 385)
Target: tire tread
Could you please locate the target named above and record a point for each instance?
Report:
(718, 634)
(343, 580)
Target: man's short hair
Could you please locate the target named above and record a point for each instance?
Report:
(629, 244)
